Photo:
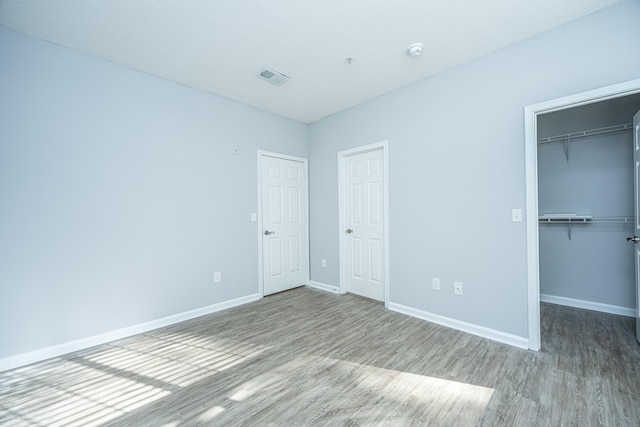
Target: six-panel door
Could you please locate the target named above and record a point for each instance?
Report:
(284, 241)
(364, 221)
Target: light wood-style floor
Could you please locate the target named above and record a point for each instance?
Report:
(306, 357)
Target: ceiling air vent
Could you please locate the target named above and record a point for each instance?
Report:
(273, 76)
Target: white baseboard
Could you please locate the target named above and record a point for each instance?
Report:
(470, 328)
(83, 343)
(589, 305)
(324, 287)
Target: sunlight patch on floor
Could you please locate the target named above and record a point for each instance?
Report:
(77, 395)
(115, 380)
(370, 394)
(210, 414)
(175, 360)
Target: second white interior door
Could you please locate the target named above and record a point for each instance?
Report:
(364, 197)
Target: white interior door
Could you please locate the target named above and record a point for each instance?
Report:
(364, 220)
(285, 246)
(636, 204)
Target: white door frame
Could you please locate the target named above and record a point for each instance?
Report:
(342, 164)
(531, 185)
(261, 154)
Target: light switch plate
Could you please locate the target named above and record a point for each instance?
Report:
(516, 215)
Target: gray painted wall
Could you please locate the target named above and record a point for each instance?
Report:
(597, 263)
(456, 166)
(120, 195)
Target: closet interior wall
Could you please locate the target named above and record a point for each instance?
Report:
(591, 263)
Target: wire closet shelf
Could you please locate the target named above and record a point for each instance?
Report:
(567, 138)
(585, 133)
(571, 219)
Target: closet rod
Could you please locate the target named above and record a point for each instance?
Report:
(585, 133)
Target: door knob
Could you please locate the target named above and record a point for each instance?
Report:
(634, 239)
(267, 232)
(349, 231)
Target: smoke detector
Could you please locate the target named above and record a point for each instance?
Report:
(415, 49)
(273, 76)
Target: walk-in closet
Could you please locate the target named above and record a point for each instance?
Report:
(585, 199)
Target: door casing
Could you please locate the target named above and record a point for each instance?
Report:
(342, 206)
(261, 154)
(636, 211)
(531, 185)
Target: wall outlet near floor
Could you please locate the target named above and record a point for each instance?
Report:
(217, 277)
(324, 263)
(457, 288)
(435, 283)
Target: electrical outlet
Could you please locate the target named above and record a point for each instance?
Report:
(435, 283)
(217, 277)
(324, 263)
(457, 288)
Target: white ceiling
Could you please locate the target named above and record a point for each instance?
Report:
(219, 46)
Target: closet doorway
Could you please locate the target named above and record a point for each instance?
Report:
(546, 123)
(585, 206)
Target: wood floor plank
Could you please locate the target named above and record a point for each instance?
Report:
(306, 357)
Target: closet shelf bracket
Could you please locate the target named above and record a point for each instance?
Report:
(567, 148)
